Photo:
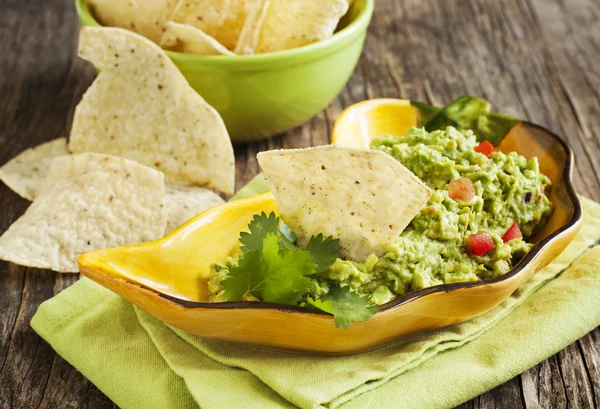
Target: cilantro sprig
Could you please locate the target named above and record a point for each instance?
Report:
(345, 306)
(270, 273)
(258, 229)
(273, 268)
(324, 252)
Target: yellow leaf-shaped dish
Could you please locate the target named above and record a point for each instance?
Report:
(168, 277)
(178, 265)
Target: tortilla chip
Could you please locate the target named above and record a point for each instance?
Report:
(364, 198)
(184, 38)
(294, 23)
(185, 202)
(250, 34)
(221, 19)
(25, 172)
(141, 107)
(88, 201)
(145, 17)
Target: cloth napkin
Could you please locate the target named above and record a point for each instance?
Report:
(139, 362)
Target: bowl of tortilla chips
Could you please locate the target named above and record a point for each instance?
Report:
(269, 70)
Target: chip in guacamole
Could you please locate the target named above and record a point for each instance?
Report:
(364, 198)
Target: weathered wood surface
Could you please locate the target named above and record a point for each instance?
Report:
(537, 59)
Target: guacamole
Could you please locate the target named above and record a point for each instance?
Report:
(483, 207)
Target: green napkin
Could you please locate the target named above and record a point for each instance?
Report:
(140, 362)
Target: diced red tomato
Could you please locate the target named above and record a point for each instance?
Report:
(512, 233)
(461, 189)
(486, 148)
(480, 243)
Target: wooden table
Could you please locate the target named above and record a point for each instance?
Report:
(536, 59)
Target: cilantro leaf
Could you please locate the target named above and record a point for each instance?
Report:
(323, 251)
(271, 274)
(259, 227)
(242, 279)
(345, 306)
(273, 269)
(284, 271)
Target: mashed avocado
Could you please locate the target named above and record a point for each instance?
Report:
(504, 189)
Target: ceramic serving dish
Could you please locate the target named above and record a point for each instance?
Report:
(168, 277)
(262, 95)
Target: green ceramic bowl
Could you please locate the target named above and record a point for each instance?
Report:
(262, 95)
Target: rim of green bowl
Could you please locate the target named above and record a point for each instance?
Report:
(294, 55)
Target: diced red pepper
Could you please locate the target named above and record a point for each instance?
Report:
(485, 148)
(480, 243)
(461, 189)
(512, 233)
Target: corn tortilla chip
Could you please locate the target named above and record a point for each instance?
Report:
(185, 202)
(364, 198)
(221, 19)
(184, 38)
(141, 107)
(294, 23)
(250, 34)
(145, 17)
(25, 172)
(88, 201)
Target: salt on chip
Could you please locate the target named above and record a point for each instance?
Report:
(185, 202)
(184, 38)
(88, 201)
(145, 17)
(141, 107)
(25, 172)
(365, 198)
(294, 23)
(220, 19)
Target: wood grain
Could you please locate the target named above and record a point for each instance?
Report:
(537, 59)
